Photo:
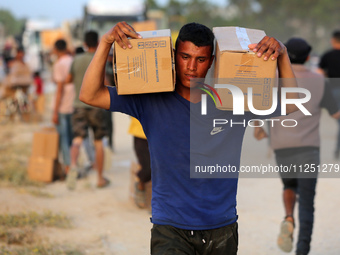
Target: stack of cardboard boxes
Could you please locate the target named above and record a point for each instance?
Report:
(43, 164)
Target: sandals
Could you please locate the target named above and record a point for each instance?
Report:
(71, 178)
(140, 197)
(285, 238)
(105, 184)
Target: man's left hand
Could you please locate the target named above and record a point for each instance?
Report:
(269, 47)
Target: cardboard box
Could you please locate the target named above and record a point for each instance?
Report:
(43, 164)
(147, 25)
(46, 143)
(146, 68)
(43, 169)
(242, 68)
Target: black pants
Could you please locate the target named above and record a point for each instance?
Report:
(168, 240)
(304, 185)
(143, 156)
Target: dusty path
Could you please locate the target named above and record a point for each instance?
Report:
(107, 222)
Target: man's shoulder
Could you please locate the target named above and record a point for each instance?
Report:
(67, 58)
(64, 60)
(155, 96)
(330, 53)
(301, 71)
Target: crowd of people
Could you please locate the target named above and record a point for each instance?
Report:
(189, 215)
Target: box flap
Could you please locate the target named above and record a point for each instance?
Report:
(237, 39)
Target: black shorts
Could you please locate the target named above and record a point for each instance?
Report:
(94, 118)
(168, 240)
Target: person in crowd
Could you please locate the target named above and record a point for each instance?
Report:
(63, 106)
(329, 66)
(85, 117)
(141, 148)
(189, 215)
(300, 146)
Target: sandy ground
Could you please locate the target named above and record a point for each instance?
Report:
(107, 222)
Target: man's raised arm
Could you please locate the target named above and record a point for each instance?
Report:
(274, 49)
(93, 91)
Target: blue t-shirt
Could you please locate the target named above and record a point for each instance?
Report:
(182, 140)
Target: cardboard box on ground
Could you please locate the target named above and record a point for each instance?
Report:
(236, 65)
(146, 68)
(43, 164)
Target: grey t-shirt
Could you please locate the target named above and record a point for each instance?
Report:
(306, 133)
(78, 69)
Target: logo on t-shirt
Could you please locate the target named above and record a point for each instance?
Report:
(216, 130)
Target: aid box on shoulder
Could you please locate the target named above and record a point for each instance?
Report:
(146, 68)
(235, 64)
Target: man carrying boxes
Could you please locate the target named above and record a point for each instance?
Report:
(190, 215)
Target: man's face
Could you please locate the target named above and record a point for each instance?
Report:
(20, 55)
(191, 62)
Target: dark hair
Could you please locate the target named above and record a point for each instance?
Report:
(198, 34)
(298, 50)
(21, 49)
(79, 50)
(91, 38)
(336, 35)
(60, 45)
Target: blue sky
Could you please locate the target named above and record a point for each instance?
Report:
(56, 10)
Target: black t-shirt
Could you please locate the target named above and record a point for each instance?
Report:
(328, 101)
(330, 63)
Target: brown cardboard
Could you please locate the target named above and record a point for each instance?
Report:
(146, 68)
(46, 143)
(147, 25)
(242, 68)
(42, 169)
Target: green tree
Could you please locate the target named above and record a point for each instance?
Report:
(201, 11)
(152, 4)
(11, 25)
(175, 10)
(313, 20)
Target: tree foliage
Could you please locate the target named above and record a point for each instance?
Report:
(313, 20)
(11, 25)
(201, 11)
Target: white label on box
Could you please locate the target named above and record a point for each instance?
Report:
(155, 33)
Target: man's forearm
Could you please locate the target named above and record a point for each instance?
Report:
(93, 90)
(58, 97)
(93, 82)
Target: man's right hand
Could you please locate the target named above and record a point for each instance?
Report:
(120, 33)
(259, 133)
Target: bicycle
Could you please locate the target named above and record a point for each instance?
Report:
(16, 104)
